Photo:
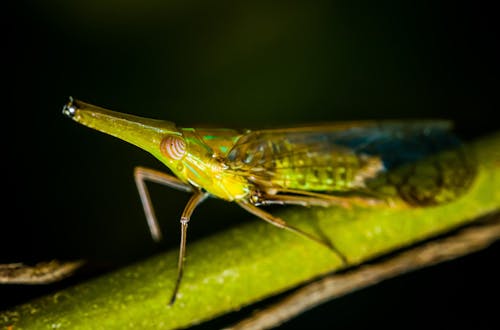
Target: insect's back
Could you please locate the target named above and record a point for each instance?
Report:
(420, 162)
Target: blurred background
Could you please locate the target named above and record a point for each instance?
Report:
(70, 192)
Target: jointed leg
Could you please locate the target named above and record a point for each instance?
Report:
(309, 198)
(280, 223)
(294, 200)
(141, 175)
(194, 201)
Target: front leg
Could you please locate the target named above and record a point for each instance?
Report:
(194, 201)
(143, 174)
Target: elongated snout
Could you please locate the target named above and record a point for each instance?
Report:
(145, 133)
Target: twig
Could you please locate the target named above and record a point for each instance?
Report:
(41, 273)
(463, 242)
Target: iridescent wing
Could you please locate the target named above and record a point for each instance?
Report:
(381, 158)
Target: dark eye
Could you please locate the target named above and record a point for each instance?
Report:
(173, 147)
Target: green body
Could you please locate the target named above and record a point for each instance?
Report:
(381, 160)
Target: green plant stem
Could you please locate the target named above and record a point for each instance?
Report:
(243, 265)
(469, 239)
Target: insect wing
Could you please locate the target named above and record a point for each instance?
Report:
(350, 156)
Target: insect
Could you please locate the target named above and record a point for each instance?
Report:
(363, 163)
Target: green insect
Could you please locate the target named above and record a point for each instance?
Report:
(387, 163)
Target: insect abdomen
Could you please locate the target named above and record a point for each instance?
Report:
(300, 167)
(325, 172)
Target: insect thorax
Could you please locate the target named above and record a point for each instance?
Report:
(204, 168)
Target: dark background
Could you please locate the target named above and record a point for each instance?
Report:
(69, 191)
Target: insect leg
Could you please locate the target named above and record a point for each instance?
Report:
(321, 199)
(141, 175)
(280, 223)
(294, 200)
(194, 201)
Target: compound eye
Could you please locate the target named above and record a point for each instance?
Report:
(173, 147)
